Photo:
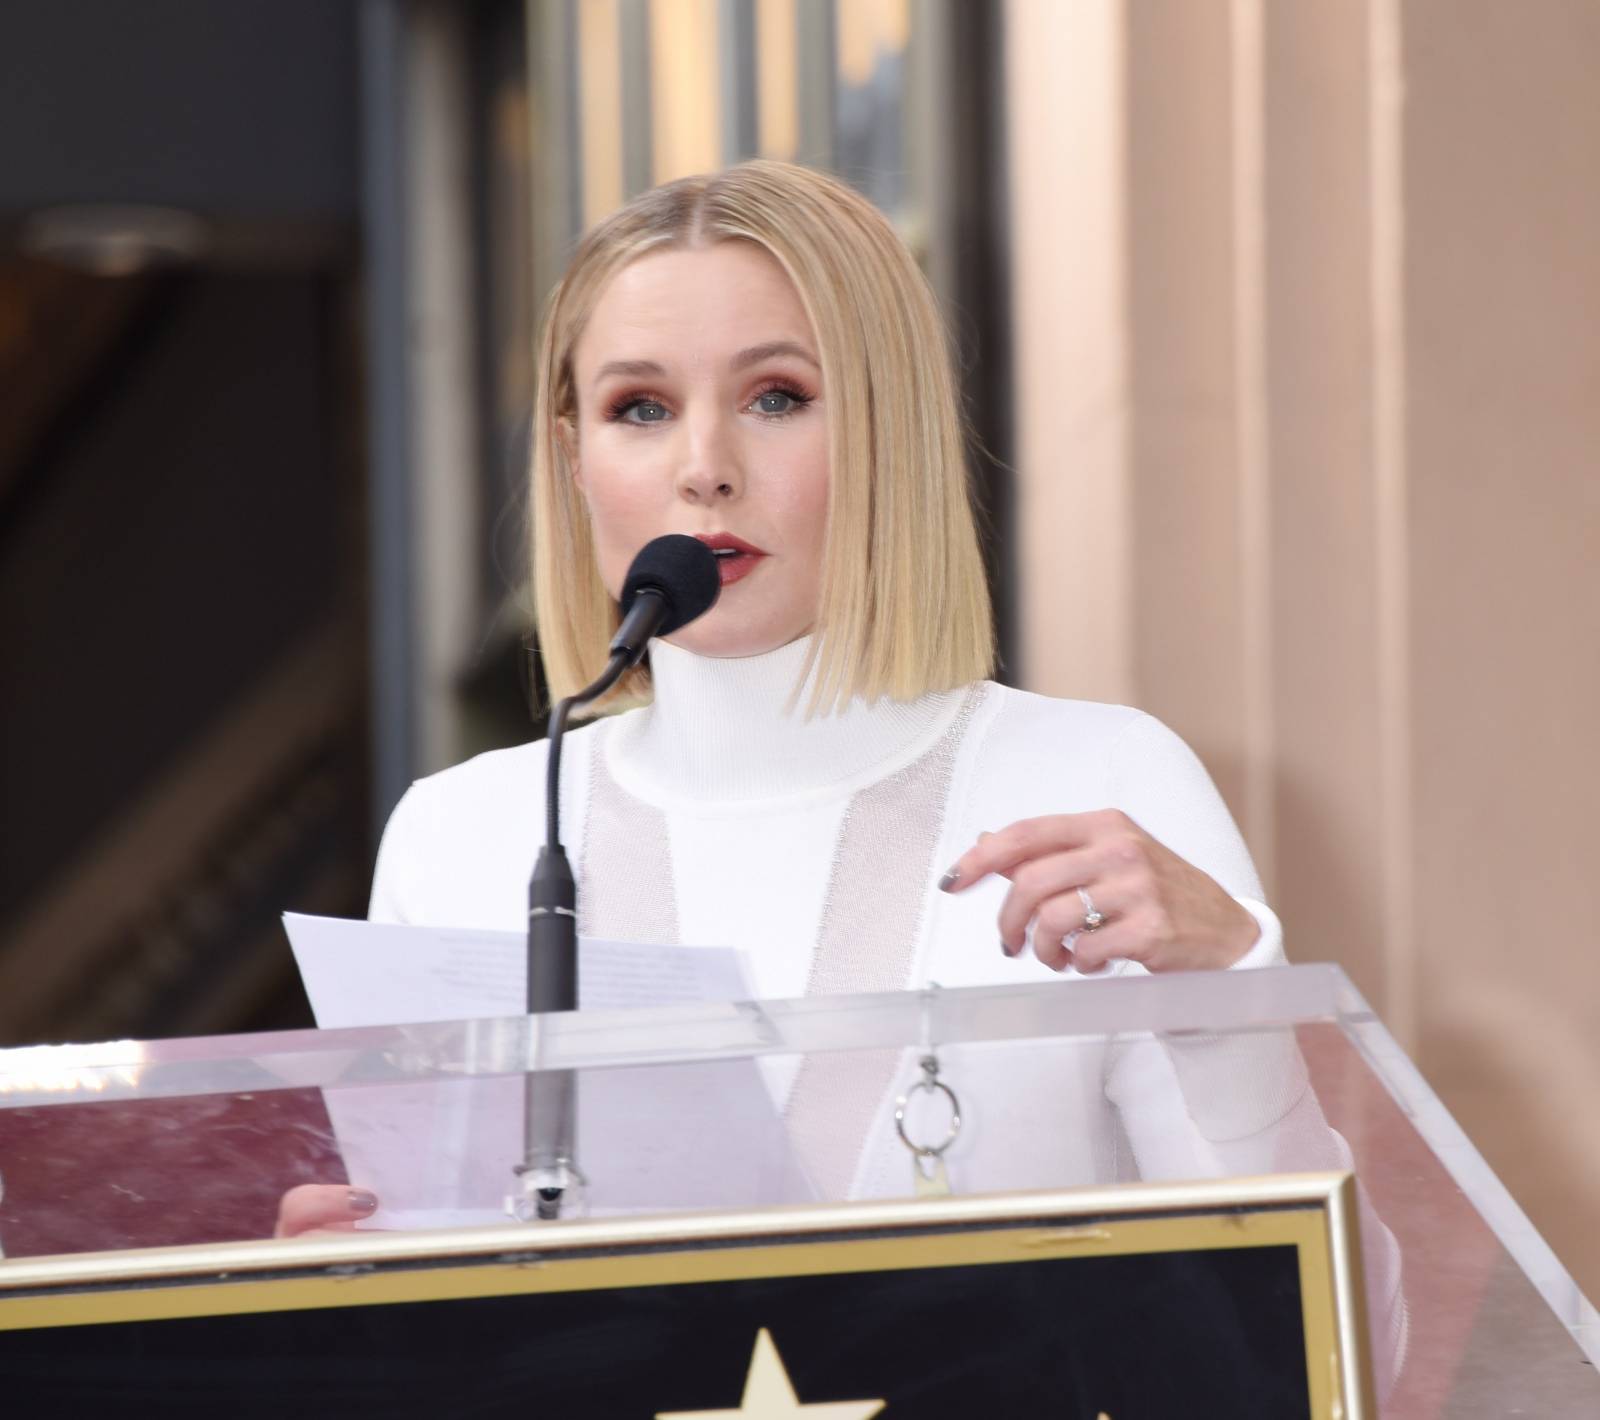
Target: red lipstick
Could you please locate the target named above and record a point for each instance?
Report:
(736, 558)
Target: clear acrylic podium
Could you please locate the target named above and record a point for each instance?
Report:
(152, 1167)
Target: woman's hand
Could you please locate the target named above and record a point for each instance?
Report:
(323, 1207)
(1157, 909)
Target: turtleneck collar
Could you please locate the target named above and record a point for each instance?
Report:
(721, 730)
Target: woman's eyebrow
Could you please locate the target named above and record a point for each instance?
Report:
(629, 367)
(753, 355)
(757, 353)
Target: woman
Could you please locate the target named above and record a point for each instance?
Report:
(755, 360)
(819, 770)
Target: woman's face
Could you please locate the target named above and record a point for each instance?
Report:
(701, 411)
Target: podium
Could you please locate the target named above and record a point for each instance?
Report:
(911, 1204)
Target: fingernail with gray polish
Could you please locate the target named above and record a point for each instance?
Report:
(950, 879)
(361, 1201)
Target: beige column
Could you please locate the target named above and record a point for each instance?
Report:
(1308, 432)
(1326, 522)
(1502, 276)
(1064, 73)
(1191, 392)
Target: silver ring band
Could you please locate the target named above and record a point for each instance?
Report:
(1092, 916)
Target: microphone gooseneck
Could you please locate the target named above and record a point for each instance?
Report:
(673, 580)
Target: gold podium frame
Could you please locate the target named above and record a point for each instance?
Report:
(1315, 1213)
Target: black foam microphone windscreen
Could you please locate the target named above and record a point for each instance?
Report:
(683, 571)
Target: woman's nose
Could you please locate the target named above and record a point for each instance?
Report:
(708, 473)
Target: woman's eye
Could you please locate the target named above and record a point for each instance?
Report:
(645, 411)
(776, 402)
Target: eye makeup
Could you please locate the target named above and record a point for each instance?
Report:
(618, 408)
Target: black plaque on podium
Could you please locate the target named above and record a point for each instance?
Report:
(1229, 1299)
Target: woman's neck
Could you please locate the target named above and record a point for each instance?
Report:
(733, 730)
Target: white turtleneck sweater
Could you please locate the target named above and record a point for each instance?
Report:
(722, 815)
(752, 798)
(718, 815)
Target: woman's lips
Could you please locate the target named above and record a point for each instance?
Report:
(736, 558)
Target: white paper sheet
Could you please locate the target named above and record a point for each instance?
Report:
(440, 1154)
(377, 973)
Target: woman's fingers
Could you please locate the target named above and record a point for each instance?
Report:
(335, 1206)
(1059, 930)
(1056, 951)
(1154, 907)
(1037, 882)
(1122, 938)
(1089, 952)
(1008, 848)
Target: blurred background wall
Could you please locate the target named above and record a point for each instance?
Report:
(1279, 327)
(183, 728)
(1308, 452)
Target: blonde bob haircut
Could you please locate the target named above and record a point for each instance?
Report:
(904, 605)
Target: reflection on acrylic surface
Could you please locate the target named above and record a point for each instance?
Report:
(72, 1069)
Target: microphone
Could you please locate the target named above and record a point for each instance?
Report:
(673, 580)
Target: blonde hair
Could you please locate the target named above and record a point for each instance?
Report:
(904, 604)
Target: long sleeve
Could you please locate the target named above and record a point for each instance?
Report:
(1230, 1105)
(1157, 780)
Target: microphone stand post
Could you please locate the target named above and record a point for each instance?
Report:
(548, 1172)
(673, 580)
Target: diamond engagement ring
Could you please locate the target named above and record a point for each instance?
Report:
(1092, 916)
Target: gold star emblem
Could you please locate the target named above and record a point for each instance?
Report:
(769, 1395)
